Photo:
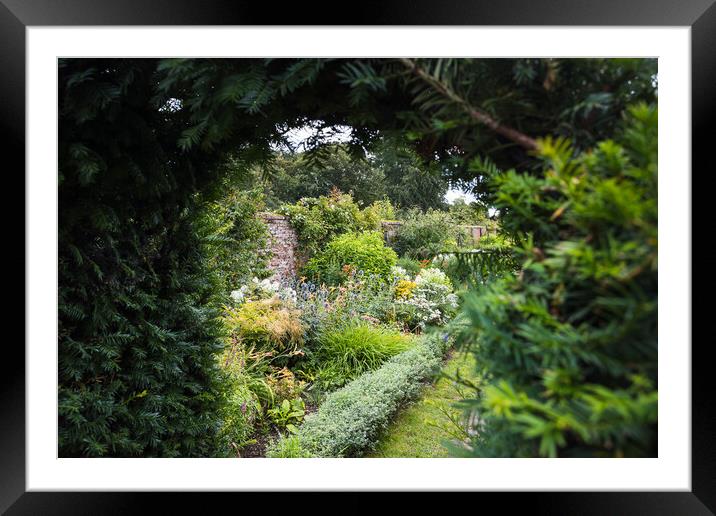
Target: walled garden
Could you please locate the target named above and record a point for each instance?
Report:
(268, 258)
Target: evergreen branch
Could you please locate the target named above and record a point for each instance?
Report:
(480, 116)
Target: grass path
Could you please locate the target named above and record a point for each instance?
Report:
(411, 435)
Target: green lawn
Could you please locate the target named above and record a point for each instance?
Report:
(414, 433)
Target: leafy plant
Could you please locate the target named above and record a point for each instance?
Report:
(569, 346)
(268, 325)
(288, 414)
(319, 220)
(365, 252)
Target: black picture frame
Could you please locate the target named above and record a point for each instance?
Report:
(16, 15)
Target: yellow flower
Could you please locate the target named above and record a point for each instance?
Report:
(404, 289)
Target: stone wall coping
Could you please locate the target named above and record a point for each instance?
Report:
(400, 223)
(272, 216)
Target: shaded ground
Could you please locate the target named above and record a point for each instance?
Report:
(420, 429)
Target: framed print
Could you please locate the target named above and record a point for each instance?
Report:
(426, 248)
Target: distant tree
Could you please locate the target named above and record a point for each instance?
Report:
(409, 181)
(391, 170)
(294, 176)
(472, 213)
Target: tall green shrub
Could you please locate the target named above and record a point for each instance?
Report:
(423, 235)
(569, 345)
(138, 332)
(235, 237)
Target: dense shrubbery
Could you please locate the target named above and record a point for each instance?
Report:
(318, 220)
(569, 346)
(234, 236)
(348, 252)
(138, 334)
(350, 420)
(428, 300)
(423, 235)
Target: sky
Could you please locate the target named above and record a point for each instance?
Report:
(298, 138)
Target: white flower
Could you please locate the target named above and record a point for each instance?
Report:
(399, 273)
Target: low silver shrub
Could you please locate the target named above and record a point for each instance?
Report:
(350, 420)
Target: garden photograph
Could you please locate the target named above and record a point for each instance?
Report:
(399, 257)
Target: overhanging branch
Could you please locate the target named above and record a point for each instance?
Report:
(477, 115)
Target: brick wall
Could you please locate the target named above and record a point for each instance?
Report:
(283, 243)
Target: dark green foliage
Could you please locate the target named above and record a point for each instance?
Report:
(137, 331)
(235, 237)
(569, 346)
(351, 252)
(293, 177)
